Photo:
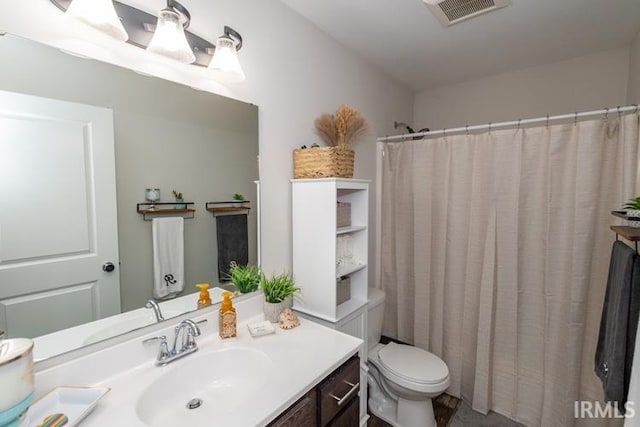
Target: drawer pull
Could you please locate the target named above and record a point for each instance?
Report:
(354, 388)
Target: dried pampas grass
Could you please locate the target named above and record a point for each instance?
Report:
(342, 128)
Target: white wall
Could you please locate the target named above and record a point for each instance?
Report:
(298, 73)
(294, 73)
(633, 93)
(580, 84)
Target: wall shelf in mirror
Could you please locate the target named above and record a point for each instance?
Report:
(149, 210)
(232, 207)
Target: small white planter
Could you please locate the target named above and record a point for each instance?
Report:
(273, 310)
(633, 218)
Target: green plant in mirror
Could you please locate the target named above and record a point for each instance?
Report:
(238, 197)
(278, 287)
(245, 277)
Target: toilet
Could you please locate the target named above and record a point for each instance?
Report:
(402, 378)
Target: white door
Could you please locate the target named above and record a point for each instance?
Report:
(57, 215)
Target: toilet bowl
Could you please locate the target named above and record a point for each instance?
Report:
(402, 379)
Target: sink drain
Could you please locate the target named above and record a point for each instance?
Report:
(194, 403)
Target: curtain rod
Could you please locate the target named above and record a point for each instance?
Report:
(513, 123)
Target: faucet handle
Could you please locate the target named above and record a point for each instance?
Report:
(163, 352)
(191, 340)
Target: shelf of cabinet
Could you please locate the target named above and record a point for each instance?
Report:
(347, 269)
(350, 229)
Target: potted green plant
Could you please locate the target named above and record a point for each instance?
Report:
(278, 290)
(238, 199)
(179, 199)
(245, 277)
(633, 212)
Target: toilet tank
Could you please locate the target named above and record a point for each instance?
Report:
(375, 316)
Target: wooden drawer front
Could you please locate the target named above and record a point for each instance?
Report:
(338, 390)
(300, 414)
(349, 417)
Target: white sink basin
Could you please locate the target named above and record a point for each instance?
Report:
(220, 381)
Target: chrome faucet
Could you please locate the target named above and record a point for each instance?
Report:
(156, 309)
(187, 330)
(184, 343)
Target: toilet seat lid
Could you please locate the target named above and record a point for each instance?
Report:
(413, 364)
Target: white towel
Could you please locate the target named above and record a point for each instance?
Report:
(168, 257)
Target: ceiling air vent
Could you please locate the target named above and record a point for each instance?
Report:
(451, 12)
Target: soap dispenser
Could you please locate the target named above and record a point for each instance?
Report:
(227, 317)
(204, 299)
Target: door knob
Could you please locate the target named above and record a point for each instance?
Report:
(108, 267)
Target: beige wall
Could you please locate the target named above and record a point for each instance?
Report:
(633, 93)
(580, 84)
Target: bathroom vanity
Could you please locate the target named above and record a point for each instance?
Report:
(333, 402)
(308, 373)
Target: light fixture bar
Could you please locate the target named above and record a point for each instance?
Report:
(134, 21)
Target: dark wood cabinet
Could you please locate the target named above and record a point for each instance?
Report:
(338, 389)
(333, 402)
(301, 414)
(349, 417)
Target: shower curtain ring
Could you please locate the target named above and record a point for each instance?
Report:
(575, 118)
(519, 120)
(547, 121)
(618, 110)
(606, 114)
(489, 127)
(466, 129)
(444, 132)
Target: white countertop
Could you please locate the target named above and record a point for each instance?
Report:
(299, 358)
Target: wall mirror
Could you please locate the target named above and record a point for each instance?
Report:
(167, 136)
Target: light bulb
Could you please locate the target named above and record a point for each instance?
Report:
(225, 62)
(169, 39)
(99, 14)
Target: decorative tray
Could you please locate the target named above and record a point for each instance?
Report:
(63, 406)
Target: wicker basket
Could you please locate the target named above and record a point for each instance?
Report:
(323, 162)
(343, 214)
(343, 290)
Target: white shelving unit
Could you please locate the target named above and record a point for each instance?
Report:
(315, 263)
(315, 259)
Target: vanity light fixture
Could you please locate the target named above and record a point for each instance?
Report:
(149, 32)
(225, 58)
(99, 14)
(168, 38)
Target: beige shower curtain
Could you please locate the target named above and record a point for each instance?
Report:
(495, 252)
